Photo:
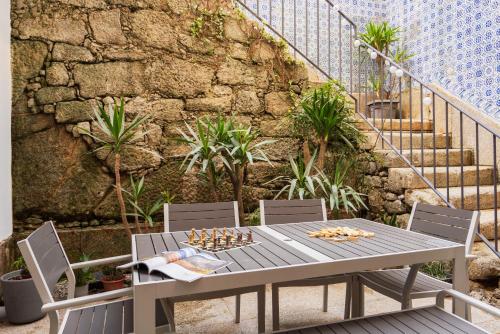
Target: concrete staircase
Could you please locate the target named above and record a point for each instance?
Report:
(447, 180)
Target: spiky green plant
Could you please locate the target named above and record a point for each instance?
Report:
(147, 212)
(114, 133)
(135, 193)
(222, 143)
(301, 185)
(329, 115)
(380, 36)
(339, 195)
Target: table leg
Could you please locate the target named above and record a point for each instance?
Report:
(144, 310)
(357, 294)
(461, 284)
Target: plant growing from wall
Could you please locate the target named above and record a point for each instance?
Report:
(225, 144)
(326, 113)
(113, 134)
(301, 185)
(147, 212)
(339, 195)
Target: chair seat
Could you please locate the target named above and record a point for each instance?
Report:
(422, 320)
(394, 279)
(116, 317)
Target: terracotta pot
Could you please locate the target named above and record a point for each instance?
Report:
(114, 284)
(382, 109)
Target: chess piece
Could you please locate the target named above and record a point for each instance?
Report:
(203, 243)
(228, 241)
(218, 243)
(224, 233)
(214, 233)
(239, 240)
(203, 233)
(249, 237)
(191, 237)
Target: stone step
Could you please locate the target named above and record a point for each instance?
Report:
(486, 265)
(486, 196)
(406, 178)
(394, 124)
(428, 142)
(391, 159)
(487, 223)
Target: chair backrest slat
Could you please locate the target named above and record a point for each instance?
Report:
(292, 211)
(455, 225)
(45, 258)
(183, 217)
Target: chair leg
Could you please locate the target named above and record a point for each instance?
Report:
(348, 297)
(406, 304)
(238, 309)
(325, 298)
(357, 298)
(276, 307)
(169, 309)
(261, 309)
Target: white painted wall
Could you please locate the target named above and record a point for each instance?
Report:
(5, 113)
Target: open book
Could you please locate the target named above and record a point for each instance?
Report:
(184, 265)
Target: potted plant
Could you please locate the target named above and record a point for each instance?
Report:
(22, 302)
(112, 279)
(382, 37)
(83, 277)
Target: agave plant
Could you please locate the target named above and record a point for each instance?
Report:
(301, 185)
(330, 116)
(114, 133)
(339, 195)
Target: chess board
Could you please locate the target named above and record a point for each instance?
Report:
(219, 248)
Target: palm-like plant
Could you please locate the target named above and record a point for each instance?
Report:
(114, 133)
(135, 193)
(339, 195)
(329, 115)
(204, 150)
(147, 212)
(380, 36)
(221, 145)
(240, 149)
(302, 182)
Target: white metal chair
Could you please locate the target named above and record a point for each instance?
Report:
(47, 262)
(183, 217)
(407, 284)
(300, 211)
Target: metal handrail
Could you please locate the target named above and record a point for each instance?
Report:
(356, 96)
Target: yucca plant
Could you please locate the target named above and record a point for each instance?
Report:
(329, 115)
(135, 193)
(301, 185)
(340, 196)
(241, 148)
(205, 148)
(220, 145)
(147, 212)
(380, 36)
(114, 133)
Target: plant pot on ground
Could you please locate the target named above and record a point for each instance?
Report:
(113, 279)
(22, 302)
(383, 109)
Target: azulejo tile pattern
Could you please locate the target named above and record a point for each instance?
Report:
(456, 42)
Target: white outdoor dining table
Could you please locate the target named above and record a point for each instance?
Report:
(286, 253)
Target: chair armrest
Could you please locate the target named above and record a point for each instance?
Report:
(99, 262)
(471, 256)
(86, 299)
(468, 300)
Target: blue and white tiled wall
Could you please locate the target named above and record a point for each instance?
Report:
(456, 42)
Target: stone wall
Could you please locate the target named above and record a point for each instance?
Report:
(68, 56)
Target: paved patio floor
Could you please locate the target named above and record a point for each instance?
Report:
(298, 307)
